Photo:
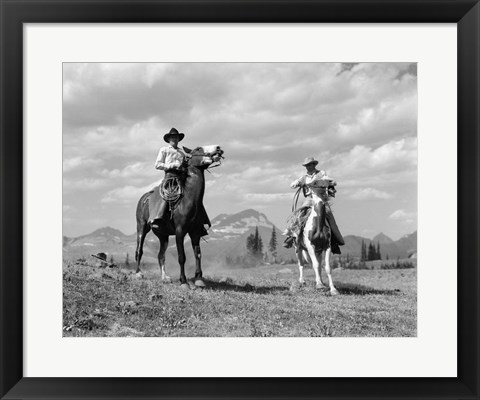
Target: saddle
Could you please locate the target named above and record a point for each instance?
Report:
(297, 225)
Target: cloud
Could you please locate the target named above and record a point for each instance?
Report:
(403, 216)
(70, 164)
(127, 194)
(362, 162)
(265, 198)
(358, 120)
(84, 184)
(369, 193)
(133, 170)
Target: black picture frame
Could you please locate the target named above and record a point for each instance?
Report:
(14, 13)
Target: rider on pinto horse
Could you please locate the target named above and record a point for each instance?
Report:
(306, 182)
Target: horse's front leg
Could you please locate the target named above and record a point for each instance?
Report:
(161, 257)
(180, 236)
(301, 264)
(333, 290)
(195, 239)
(315, 259)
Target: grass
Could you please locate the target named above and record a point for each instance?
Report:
(261, 302)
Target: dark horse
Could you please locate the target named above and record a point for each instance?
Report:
(188, 216)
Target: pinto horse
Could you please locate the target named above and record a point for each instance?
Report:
(187, 217)
(315, 240)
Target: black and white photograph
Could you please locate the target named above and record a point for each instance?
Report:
(240, 199)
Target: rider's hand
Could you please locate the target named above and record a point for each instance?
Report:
(176, 164)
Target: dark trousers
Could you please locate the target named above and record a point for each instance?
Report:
(159, 207)
(336, 235)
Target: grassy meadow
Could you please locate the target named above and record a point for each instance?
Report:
(261, 301)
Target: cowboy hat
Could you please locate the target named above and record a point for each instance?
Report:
(309, 160)
(173, 131)
(100, 256)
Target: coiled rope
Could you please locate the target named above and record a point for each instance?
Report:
(171, 191)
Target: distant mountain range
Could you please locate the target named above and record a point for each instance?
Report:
(227, 238)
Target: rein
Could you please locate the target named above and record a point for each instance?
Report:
(210, 155)
(295, 198)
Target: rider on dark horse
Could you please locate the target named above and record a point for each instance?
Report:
(312, 175)
(172, 159)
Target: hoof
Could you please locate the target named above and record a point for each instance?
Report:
(200, 283)
(167, 279)
(334, 292)
(139, 275)
(302, 283)
(319, 286)
(185, 286)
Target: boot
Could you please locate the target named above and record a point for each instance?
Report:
(334, 228)
(288, 242)
(155, 222)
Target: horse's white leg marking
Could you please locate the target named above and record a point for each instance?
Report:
(301, 263)
(315, 264)
(333, 290)
(165, 277)
(161, 260)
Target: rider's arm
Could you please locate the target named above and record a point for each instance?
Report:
(298, 182)
(160, 162)
(162, 165)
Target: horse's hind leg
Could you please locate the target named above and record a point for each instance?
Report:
(333, 290)
(161, 257)
(142, 230)
(195, 239)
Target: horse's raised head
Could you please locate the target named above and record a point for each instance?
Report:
(204, 157)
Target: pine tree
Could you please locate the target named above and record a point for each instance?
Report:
(112, 261)
(363, 257)
(251, 244)
(127, 260)
(371, 252)
(379, 255)
(256, 242)
(272, 246)
(259, 246)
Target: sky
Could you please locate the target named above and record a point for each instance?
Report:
(359, 120)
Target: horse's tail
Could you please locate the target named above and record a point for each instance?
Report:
(142, 212)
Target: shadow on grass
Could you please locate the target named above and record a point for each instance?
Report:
(230, 286)
(360, 290)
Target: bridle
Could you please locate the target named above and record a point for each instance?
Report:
(217, 153)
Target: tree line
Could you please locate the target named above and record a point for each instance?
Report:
(371, 252)
(255, 250)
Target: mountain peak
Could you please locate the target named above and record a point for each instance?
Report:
(382, 238)
(107, 231)
(239, 223)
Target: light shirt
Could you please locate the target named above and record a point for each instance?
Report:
(169, 157)
(306, 179)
